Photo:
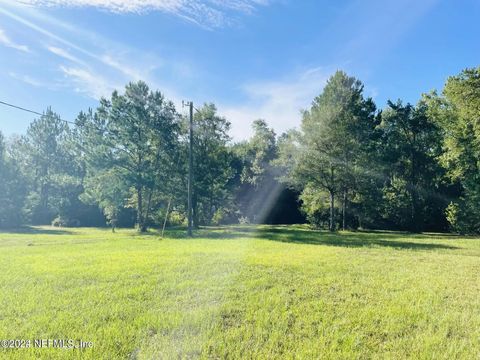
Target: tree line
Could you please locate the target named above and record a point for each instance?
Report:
(349, 165)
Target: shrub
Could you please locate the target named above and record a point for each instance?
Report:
(64, 222)
(243, 220)
(462, 217)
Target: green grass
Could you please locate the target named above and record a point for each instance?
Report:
(244, 292)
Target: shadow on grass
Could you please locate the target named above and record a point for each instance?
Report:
(295, 234)
(360, 239)
(36, 231)
(300, 235)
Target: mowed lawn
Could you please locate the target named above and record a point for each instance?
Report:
(241, 293)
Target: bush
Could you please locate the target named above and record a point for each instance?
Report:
(64, 222)
(243, 220)
(316, 207)
(176, 218)
(462, 217)
(225, 216)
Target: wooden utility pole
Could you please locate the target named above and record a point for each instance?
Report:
(190, 171)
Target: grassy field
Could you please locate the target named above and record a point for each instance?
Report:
(246, 292)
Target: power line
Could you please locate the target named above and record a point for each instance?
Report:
(31, 111)
(190, 168)
(41, 114)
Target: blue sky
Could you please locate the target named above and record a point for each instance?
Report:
(252, 58)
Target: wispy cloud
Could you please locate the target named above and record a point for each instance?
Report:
(208, 13)
(43, 31)
(6, 41)
(89, 83)
(100, 66)
(131, 72)
(26, 79)
(54, 36)
(63, 54)
(278, 102)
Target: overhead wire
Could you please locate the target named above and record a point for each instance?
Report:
(77, 124)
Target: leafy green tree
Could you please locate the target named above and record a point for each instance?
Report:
(107, 191)
(458, 112)
(258, 189)
(50, 168)
(212, 171)
(12, 189)
(134, 137)
(261, 150)
(411, 149)
(396, 169)
(331, 140)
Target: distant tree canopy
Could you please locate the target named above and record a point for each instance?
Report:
(330, 142)
(131, 141)
(12, 189)
(458, 114)
(348, 166)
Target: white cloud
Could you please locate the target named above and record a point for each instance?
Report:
(43, 31)
(26, 79)
(278, 102)
(101, 55)
(116, 63)
(208, 13)
(6, 41)
(64, 54)
(88, 82)
(131, 72)
(50, 84)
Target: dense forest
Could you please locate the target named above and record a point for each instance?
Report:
(349, 165)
